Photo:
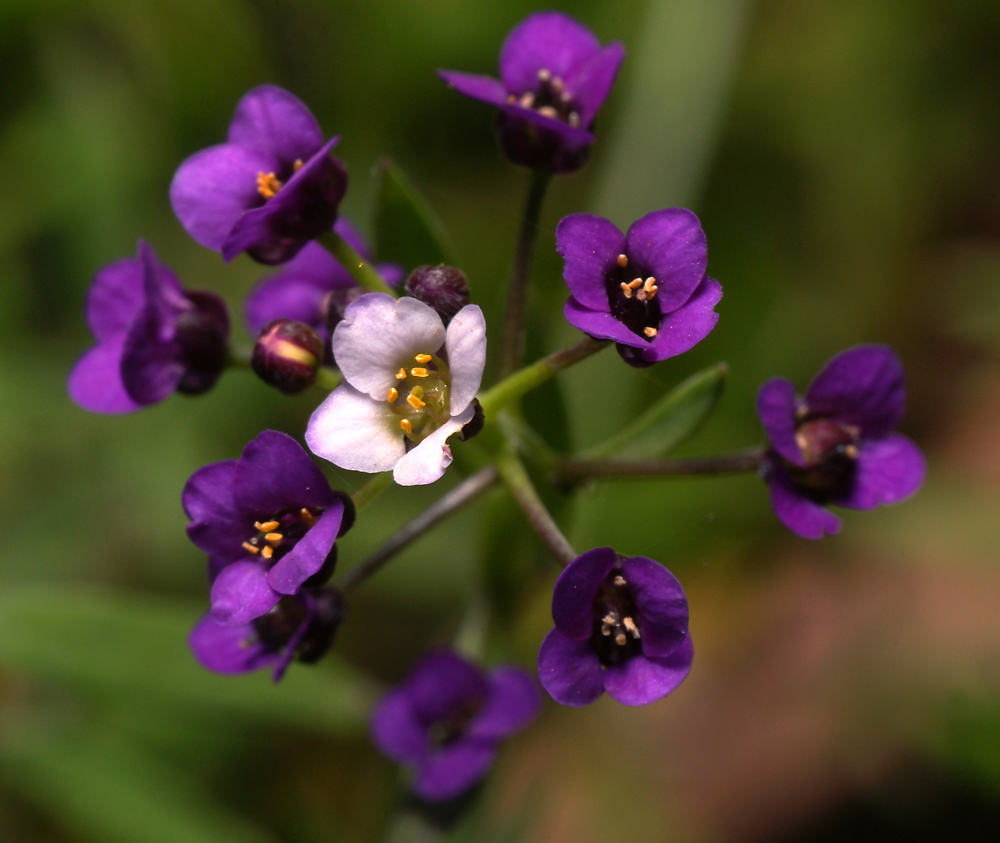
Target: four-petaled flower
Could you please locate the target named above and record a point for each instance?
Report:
(836, 445)
(554, 76)
(410, 384)
(153, 337)
(621, 627)
(268, 522)
(646, 290)
(270, 189)
(447, 719)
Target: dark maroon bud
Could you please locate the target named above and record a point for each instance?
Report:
(475, 425)
(335, 304)
(530, 145)
(444, 288)
(202, 334)
(288, 355)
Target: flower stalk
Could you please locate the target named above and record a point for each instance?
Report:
(361, 271)
(576, 470)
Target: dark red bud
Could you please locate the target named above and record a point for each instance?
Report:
(444, 288)
(288, 355)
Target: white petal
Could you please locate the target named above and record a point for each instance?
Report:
(466, 344)
(427, 462)
(378, 335)
(351, 430)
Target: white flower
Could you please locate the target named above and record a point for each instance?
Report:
(409, 385)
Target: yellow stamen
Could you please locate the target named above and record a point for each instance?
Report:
(650, 285)
(423, 358)
(273, 538)
(415, 402)
(268, 184)
(266, 526)
(267, 552)
(401, 375)
(251, 548)
(544, 75)
(801, 412)
(635, 283)
(631, 627)
(511, 98)
(307, 516)
(548, 111)
(650, 332)
(627, 290)
(407, 425)
(557, 85)
(620, 639)
(619, 580)
(418, 372)
(527, 100)
(393, 394)
(297, 165)
(623, 261)
(851, 451)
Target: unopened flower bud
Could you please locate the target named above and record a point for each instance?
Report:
(444, 288)
(329, 608)
(288, 355)
(202, 334)
(334, 306)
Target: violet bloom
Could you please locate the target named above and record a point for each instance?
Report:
(300, 627)
(554, 76)
(621, 627)
(410, 384)
(270, 189)
(646, 290)
(836, 445)
(268, 522)
(312, 286)
(153, 337)
(447, 719)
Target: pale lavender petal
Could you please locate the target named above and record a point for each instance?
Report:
(96, 380)
(213, 188)
(863, 386)
(545, 40)
(576, 589)
(396, 730)
(378, 335)
(888, 470)
(241, 593)
(670, 246)
(569, 670)
(641, 680)
(428, 460)
(590, 81)
(453, 770)
(798, 513)
(115, 298)
(272, 121)
(275, 472)
(513, 702)
(660, 603)
(776, 407)
(442, 684)
(590, 246)
(228, 649)
(687, 326)
(352, 431)
(310, 552)
(482, 88)
(465, 342)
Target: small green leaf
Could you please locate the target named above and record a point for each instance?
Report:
(406, 229)
(670, 421)
(127, 644)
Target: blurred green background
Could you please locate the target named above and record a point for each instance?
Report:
(845, 161)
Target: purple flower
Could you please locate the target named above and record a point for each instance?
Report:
(271, 188)
(554, 76)
(646, 290)
(836, 445)
(447, 719)
(268, 522)
(153, 337)
(410, 384)
(299, 627)
(303, 288)
(621, 627)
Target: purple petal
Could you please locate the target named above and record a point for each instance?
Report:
(288, 653)
(275, 472)
(355, 432)
(217, 526)
(546, 40)
(590, 81)
(601, 324)
(513, 702)
(670, 246)
(482, 88)
(213, 188)
(241, 593)
(115, 298)
(660, 603)
(575, 591)
(590, 246)
(570, 137)
(442, 684)
(569, 670)
(310, 552)
(396, 730)
(355, 239)
(641, 680)
(428, 461)
(863, 386)
(465, 342)
(228, 649)
(687, 326)
(274, 122)
(888, 470)
(285, 297)
(96, 380)
(799, 514)
(151, 364)
(453, 770)
(776, 406)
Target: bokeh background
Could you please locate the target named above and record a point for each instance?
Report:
(845, 161)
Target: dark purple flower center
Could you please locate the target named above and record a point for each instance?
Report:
(550, 98)
(202, 333)
(616, 636)
(452, 727)
(632, 296)
(268, 184)
(276, 536)
(277, 628)
(830, 450)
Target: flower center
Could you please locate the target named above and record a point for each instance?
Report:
(632, 297)
(277, 536)
(616, 636)
(550, 98)
(268, 184)
(421, 396)
(448, 729)
(830, 450)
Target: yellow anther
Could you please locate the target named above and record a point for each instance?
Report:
(801, 412)
(650, 332)
(619, 580)
(631, 627)
(273, 538)
(548, 111)
(267, 552)
(407, 425)
(307, 516)
(297, 165)
(266, 526)
(423, 358)
(418, 372)
(627, 290)
(415, 402)
(635, 283)
(573, 119)
(557, 85)
(620, 639)
(393, 394)
(851, 451)
(527, 100)
(268, 184)
(401, 375)
(623, 261)
(251, 548)
(544, 75)
(511, 99)
(609, 619)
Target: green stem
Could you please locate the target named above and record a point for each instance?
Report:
(530, 377)
(328, 379)
(238, 356)
(371, 490)
(574, 470)
(517, 288)
(360, 270)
